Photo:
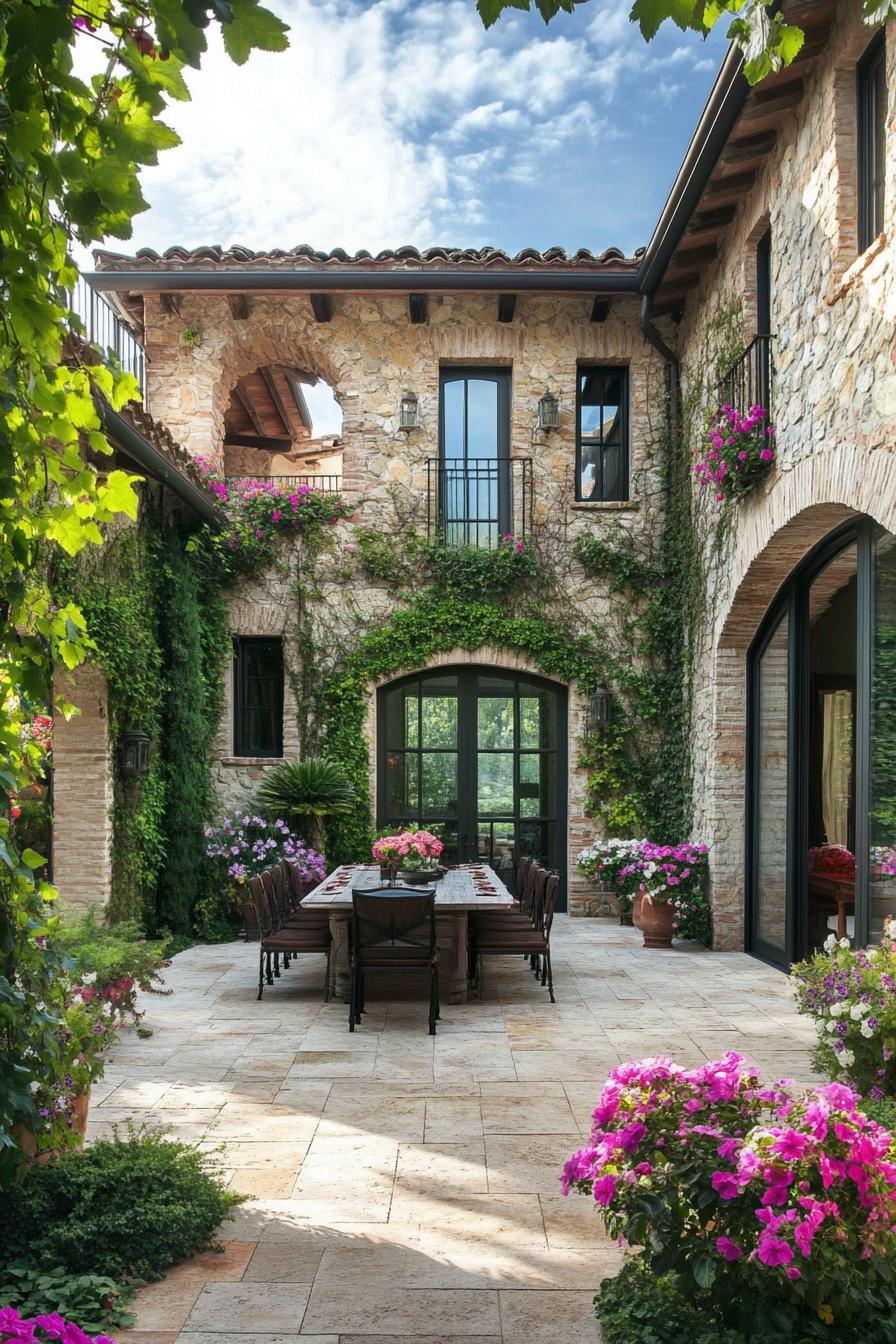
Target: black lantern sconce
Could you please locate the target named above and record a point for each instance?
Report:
(134, 753)
(409, 412)
(600, 711)
(548, 413)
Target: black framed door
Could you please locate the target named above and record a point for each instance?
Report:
(821, 789)
(474, 453)
(478, 757)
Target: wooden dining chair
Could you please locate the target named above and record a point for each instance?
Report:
(276, 940)
(534, 942)
(393, 929)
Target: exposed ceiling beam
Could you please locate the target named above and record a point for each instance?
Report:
(506, 307)
(727, 188)
(709, 221)
(748, 150)
(298, 397)
(248, 405)
(600, 310)
(322, 306)
(274, 393)
(418, 308)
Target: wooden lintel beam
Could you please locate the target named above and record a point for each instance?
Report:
(418, 308)
(274, 394)
(600, 310)
(250, 441)
(506, 307)
(322, 307)
(240, 306)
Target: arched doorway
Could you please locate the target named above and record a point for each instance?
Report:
(821, 749)
(478, 756)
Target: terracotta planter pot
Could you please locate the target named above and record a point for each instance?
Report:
(655, 920)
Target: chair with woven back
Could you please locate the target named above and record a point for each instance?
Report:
(534, 942)
(393, 929)
(277, 939)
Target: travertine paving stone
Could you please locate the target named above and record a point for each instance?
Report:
(401, 1187)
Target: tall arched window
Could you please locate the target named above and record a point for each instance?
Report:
(821, 750)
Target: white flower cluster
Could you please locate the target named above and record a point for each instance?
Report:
(831, 943)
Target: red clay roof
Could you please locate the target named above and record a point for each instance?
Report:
(398, 259)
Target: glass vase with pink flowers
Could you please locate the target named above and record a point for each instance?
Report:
(414, 855)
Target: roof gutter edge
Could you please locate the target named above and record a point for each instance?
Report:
(308, 281)
(158, 467)
(724, 105)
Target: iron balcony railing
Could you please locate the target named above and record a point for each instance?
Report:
(477, 501)
(749, 380)
(104, 329)
(327, 485)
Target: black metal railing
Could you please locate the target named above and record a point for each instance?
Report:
(105, 329)
(477, 501)
(749, 380)
(327, 485)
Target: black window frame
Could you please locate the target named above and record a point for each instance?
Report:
(871, 156)
(599, 494)
(243, 745)
(467, 477)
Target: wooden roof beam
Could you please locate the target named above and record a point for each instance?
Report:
(248, 405)
(506, 307)
(274, 394)
(321, 306)
(749, 149)
(250, 441)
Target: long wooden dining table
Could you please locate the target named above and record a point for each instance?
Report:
(465, 887)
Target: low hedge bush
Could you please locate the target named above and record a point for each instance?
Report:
(129, 1206)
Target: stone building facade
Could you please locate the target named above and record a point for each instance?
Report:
(785, 161)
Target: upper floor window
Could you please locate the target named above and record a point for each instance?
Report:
(474, 487)
(602, 434)
(871, 132)
(258, 697)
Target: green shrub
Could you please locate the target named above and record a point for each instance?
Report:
(637, 1307)
(94, 1301)
(127, 1206)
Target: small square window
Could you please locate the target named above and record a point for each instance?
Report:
(871, 90)
(258, 697)
(602, 448)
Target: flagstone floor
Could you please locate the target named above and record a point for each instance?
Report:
(403, 1187)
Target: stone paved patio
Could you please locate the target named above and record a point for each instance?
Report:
(404, 1188)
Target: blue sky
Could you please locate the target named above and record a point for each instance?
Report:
(403, 121)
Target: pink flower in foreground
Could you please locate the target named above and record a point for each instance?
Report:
(728, 1249)
(773, 1250)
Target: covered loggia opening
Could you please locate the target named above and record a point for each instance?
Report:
(283, 422)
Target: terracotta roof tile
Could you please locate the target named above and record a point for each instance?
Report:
(401, 258)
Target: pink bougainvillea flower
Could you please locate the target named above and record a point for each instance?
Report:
(728, 1249)
(725, 1185)
(772, 1250)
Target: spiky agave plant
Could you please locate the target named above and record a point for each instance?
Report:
(306, 791)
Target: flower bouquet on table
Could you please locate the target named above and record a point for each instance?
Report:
(412, 855)
(834, 861)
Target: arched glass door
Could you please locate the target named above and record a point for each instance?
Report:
(477, 756)
(821, 796)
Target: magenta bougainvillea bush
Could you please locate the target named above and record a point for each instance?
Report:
(742, 1189)
(740, 450)
(43, 1330)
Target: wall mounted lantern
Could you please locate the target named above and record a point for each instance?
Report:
(548, 413)
(409, 412)
(134, 753)
(600, 711)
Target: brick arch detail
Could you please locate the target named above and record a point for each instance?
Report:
(579, 828)
(777, 530)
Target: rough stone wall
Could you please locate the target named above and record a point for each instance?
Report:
(82, 793)
(370, 354)
(834, 409)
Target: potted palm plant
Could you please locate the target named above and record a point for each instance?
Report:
(307, 792)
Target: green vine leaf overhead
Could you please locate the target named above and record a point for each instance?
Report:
(768, 42)
(70, 153)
